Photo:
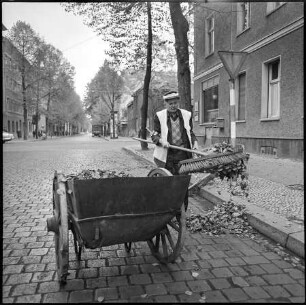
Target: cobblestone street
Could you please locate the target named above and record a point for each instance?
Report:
(209, 269)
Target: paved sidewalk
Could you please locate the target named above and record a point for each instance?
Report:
(275, 209)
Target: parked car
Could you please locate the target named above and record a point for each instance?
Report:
(6, 136)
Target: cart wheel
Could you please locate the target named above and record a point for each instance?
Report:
(159, 172)
(61, 239)
(128, 247)
(77, 247)
(167, 244)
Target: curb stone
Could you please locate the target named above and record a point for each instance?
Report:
(287, 233)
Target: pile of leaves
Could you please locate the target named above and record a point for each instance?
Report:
(235, 168)
(226, 218)
(222, 147)
(96, 174)
(240, 186)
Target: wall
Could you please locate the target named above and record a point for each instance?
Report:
(285, 134)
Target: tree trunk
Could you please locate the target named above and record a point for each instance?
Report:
(37, 109)
(47, 114)
(181, 28)
(36, 123)
(25, 109)
(147, 79)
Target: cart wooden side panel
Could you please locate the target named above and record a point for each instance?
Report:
(117, 210)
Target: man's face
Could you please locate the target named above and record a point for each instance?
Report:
(172, 105)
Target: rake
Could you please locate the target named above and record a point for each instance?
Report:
(223, 164)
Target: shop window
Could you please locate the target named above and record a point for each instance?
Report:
(243, 16)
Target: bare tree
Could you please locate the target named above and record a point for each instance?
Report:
(107, 88)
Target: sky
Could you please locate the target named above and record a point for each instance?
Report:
(65, 31)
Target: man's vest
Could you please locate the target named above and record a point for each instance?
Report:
(160, 152)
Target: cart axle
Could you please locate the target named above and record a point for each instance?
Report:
(52, 224)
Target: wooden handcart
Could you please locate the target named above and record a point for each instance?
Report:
(119, 210)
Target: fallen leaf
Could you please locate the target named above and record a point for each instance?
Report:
(202, 301)
(144, 295)
(188, 292)
(100, 299)
(155, 264)
(195, 274)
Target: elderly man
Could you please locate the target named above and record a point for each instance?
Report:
(173, 126)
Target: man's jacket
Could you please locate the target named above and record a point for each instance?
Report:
(162, 126)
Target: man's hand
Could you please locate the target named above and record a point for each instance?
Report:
(163, 143)
(195, 145)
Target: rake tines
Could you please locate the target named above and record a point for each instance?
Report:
(215, 163)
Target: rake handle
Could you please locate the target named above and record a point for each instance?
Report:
(175, 147)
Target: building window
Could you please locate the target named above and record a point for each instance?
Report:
(271, 90)
(210, 108)
(210, 35)
(241, 97)
(13, 126)
(243, 16)
(8, 126)
(272, 6)
(7, 61)
(208, 105)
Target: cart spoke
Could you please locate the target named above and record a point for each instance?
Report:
(157, 240)
(164, 243)
(174, 225)
(170, 238)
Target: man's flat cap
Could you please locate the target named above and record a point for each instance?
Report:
(171, 95)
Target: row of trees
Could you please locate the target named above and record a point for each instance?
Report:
(139, 32)
(103, 93)
(46, 80)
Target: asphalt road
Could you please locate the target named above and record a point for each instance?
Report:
(211, 269)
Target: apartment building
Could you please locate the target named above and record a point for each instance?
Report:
(12, 105)
(269, 86)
